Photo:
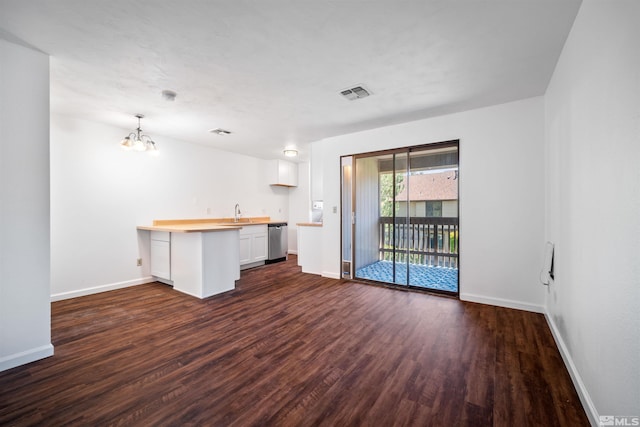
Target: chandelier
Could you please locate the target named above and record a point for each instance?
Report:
(137, 141)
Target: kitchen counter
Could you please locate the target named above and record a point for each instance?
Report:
(190, 228)
(202, 257)
(205, 224)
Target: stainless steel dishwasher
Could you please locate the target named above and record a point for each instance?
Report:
(278, 242)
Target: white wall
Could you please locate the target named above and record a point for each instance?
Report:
(316, 170)
(501, 195)
(593, 205)
(99, 194)
(25, 313)
(299, 205)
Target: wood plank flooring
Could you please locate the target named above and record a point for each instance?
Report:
(291, 349)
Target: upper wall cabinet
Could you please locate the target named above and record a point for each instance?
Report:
(283, 173)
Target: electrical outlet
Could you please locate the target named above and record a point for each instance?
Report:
(139, 262)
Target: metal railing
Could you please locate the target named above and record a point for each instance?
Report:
(429, 241)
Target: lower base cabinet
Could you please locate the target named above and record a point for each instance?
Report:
(161, 254)
(254, 245)
(205, 263)
(195, 263)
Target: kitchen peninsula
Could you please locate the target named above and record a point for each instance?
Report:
(203, 257)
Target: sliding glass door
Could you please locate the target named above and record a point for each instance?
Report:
(403, 218)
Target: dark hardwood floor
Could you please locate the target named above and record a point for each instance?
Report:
(291, 349)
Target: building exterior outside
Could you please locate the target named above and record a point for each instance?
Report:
(432, 194)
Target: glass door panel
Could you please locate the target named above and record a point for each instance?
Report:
(366, 236)
(433, 218)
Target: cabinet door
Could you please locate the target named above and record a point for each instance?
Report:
(283, 173)
(161, 259)
(292, 174)
(259, 247)
(245, 249)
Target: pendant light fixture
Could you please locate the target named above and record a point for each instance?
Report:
(137, 141)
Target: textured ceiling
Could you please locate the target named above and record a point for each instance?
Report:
(271, 71)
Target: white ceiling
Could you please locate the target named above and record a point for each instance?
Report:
(271, 71)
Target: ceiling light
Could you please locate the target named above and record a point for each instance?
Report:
(355, 93)
(290, 152)
(137, 141)
(219, 131)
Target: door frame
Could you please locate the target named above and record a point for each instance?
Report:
(391, 151)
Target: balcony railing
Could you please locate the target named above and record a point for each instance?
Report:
(429, 241)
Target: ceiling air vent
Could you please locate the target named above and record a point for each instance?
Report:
(219, 131)
(355, 93)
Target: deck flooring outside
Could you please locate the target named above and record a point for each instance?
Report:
(423, 276)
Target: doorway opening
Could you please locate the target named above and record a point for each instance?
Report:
(400, 217)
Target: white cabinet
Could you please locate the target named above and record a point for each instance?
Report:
(205, 263)
(161, 254)
(253, 245)
(260, 246)
(283, 173)
(245, 249)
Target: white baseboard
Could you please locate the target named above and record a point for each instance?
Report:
(500, 302)
(583, 394)
(25, 357)
(292, 252)
(161, 280)
(251, 265)
(102, 288)
(330, 275)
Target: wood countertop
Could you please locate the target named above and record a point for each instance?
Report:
(189, 228)
(309, 224)
(205, 224)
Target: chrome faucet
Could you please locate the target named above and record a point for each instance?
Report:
(236, 213)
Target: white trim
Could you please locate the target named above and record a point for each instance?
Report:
(200, 297)
(182, 291)
(500, 302)
(251, 265)
(25, 357)
(101, 288)
(292, 252)
(583, 394)
(162, 280)
(330, 275)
